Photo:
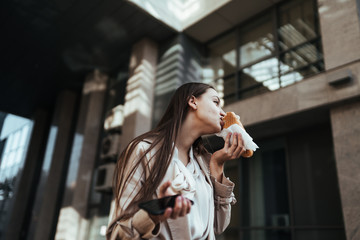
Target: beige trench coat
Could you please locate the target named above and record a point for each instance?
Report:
(140, 226)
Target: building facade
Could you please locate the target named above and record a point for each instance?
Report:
(290, 69)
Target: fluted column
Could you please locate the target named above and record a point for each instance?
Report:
(139, 90)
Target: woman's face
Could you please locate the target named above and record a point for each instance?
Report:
(209, 111)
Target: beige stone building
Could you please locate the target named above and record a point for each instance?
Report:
(80, 80)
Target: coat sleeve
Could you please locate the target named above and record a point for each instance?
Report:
(223, 199)
(140, 226)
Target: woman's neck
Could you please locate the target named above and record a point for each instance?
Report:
(185, 139)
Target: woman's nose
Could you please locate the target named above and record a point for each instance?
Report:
(222, 113)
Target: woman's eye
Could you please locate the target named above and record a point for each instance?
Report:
(216, 102)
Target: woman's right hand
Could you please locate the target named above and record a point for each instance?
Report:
(181, 208)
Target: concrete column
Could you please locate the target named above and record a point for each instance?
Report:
(64, 117)
(340, 31)
(73, 223)
(95, 88)
(139, 91)
(346, 136)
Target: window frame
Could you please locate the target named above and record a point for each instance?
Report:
(278, 54)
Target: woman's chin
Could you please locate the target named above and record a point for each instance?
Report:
(216, 130)
(212, 129)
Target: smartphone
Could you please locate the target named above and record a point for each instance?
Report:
(158, 206)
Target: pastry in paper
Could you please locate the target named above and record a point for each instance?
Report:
(232, 124)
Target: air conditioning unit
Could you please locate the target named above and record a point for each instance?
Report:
(104, 178)
(115, 118)
(110, 146)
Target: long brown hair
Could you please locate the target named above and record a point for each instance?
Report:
(162, 137)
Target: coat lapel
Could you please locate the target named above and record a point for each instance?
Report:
(179, 228)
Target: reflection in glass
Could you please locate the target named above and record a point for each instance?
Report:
(290, 78)
(230, 58)
(15, 134)
(300, 57)
(255, 50)
(296, 23)
(223, 55)
(256, 41)
(290, 36)
(265, 72)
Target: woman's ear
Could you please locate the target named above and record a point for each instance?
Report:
(192, 102)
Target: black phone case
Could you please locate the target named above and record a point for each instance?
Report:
(158, 206)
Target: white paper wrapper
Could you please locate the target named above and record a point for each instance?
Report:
(235, 128)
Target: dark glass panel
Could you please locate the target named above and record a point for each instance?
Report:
(316, 198)
(278, 234)
(232, 172)
(229, 234)
(264, 189)
(322, 234)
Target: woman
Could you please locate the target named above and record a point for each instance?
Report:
(171, 159)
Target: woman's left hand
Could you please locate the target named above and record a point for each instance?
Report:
(228, 152)
(181, 208)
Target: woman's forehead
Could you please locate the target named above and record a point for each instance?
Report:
(211, 93)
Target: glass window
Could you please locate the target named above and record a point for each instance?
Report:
(299, 42)
(265, 72)
(300, 57)
(256, 41)
(15, 133)
(297, 23)
(223, 55)
(275, 49)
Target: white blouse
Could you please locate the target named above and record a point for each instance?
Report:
(190, 181)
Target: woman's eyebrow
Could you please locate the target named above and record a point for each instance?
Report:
(217, 98)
